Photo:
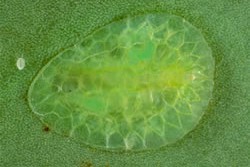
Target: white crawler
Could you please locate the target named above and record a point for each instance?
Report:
(20, 63)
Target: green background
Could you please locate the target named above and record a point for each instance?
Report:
(38, 30)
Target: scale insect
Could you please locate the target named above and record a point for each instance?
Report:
(20, 63)
(134, 84)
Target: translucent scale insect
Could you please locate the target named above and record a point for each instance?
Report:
(138, 83)
(20, 63)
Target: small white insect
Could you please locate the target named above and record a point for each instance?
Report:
(20, 63)
(193, 77)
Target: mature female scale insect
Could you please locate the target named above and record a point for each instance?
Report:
(138, 83)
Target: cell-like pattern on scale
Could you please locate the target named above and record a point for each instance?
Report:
(139, 83)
